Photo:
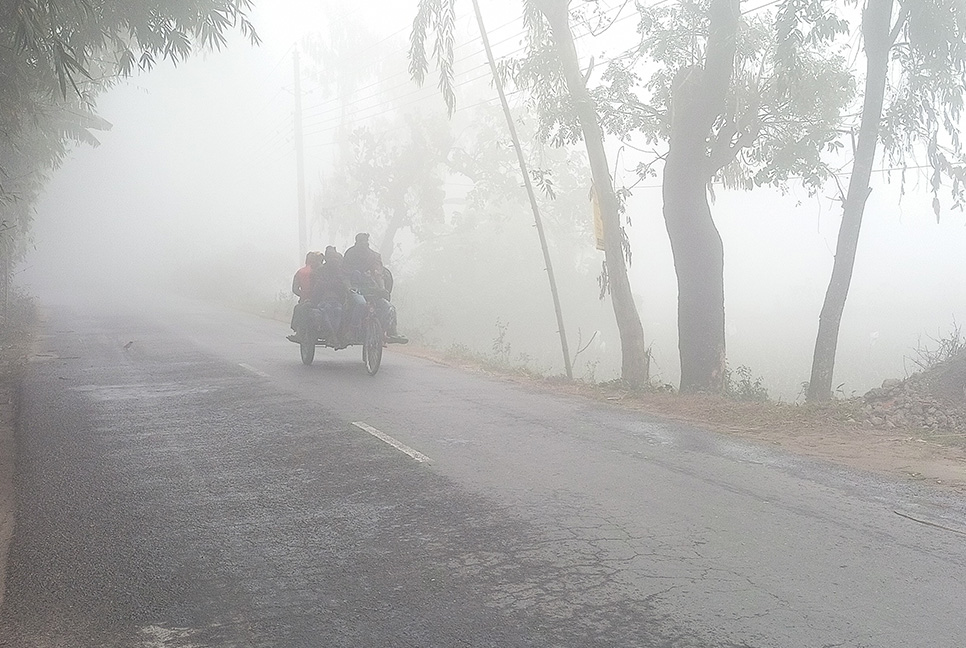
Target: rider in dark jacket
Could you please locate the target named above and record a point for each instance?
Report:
(328, 293)
(364, 269)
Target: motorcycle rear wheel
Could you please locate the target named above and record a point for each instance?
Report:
(372, 346)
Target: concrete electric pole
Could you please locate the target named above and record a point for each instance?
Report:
(300, 162)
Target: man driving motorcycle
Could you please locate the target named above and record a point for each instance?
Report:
(364, 269)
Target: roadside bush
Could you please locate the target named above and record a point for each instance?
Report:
(741, 385)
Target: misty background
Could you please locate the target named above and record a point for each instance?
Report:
(193, 190)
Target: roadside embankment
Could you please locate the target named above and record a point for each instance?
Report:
(16, 331)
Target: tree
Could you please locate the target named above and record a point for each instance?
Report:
(635, 366)
(698, 102)
(735, 103)
(388, 166)
(439, 15)
(393, 174)
(55, 59)
(927, 43)
(66, 39)
(480, 258)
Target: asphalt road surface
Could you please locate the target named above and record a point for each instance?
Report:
(183, 481)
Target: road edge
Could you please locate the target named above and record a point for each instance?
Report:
(17, 337)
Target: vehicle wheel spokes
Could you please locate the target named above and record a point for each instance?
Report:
(372, 346)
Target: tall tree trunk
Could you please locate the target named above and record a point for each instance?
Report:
(634, 358)
(698, 99)
(699, 265)
(399, 218)
(876, 28)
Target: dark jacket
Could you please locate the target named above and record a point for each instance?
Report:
(329, 284)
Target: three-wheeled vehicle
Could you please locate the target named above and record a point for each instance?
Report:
(370, 334)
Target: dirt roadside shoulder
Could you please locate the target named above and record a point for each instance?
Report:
(831, 433)
(839, 433)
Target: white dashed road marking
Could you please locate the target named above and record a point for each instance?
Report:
(402, 447)
(253, 370)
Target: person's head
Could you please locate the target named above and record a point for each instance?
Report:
(362, 239)
(313, 258)
(309, 257)
(332, 255)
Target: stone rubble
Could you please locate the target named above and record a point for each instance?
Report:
(933, 400)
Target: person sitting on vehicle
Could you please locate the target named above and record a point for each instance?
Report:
(366, 273)
(303, 276)
(329, 291)
(301, 283)
(360, 258)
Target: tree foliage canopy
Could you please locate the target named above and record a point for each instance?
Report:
(56, 56)
(924, 104)
(71, 38)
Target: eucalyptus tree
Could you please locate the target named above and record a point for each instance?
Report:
(915, 82)
(549, 30)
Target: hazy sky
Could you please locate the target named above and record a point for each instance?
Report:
(200, 164)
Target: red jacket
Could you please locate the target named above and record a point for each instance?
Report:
(301, 282)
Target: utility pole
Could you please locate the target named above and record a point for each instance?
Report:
(529, 186)
(300, 161)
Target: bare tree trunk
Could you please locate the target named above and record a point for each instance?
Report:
(634, 358)
(399, 218)
(697, 101)
(699, 265)
(876, 28)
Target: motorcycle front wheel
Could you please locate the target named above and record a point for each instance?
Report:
(307, 351)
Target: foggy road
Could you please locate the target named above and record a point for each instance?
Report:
(184, 481)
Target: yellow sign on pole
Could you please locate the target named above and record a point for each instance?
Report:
(598, 221)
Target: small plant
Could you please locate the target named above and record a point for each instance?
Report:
(840, 392)
(948, 346)
(740, 385)
(802, 392)
(459, 352)
(501, 348)
(590, 372)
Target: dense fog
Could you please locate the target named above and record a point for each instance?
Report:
(193, 191)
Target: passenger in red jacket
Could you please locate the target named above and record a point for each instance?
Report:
(301, 285)
(302, 280)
